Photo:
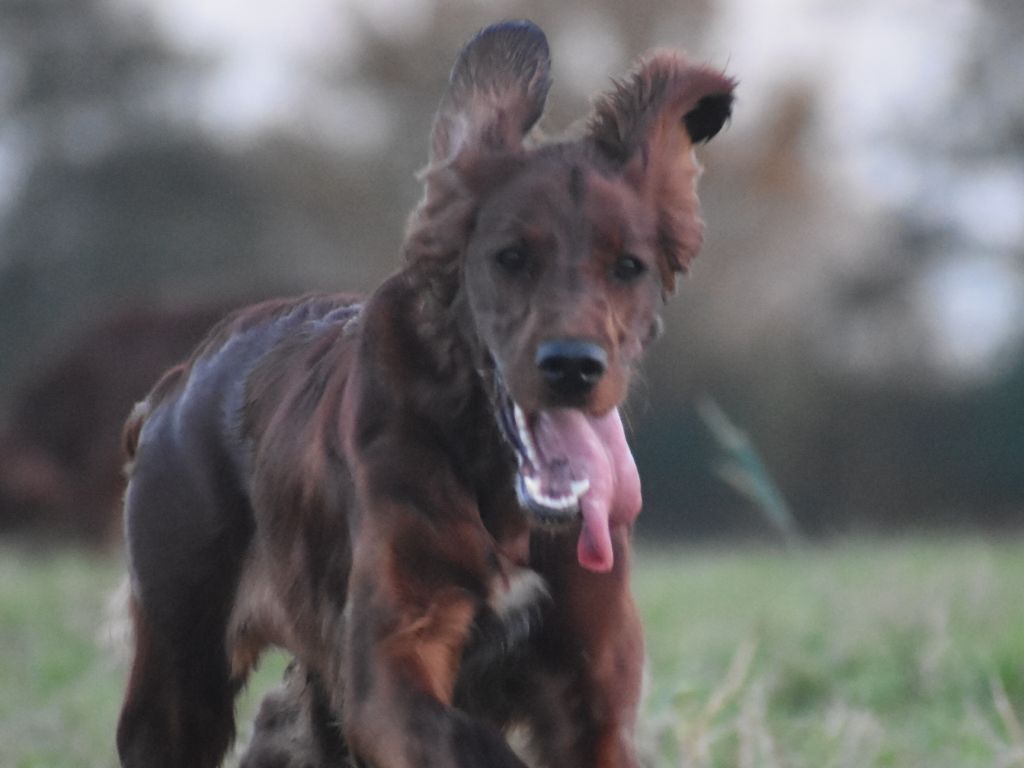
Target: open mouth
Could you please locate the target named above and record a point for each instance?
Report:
(574, 467)
(550, 487)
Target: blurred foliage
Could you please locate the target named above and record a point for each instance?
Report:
(816, 315)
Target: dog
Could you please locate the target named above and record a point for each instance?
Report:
(426, 496)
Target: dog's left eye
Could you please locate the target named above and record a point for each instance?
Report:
(512, 259)
(628, 268)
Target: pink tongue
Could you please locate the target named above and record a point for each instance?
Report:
(596, 449)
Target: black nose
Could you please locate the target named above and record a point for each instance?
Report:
(571, 366)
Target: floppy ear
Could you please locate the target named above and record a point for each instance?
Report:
(496, 92)
(647, 127)
(495, 95)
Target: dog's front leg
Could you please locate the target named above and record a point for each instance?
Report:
(591, 702)
(417, 584)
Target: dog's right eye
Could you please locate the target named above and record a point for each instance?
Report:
(512, 259)
(628, 268)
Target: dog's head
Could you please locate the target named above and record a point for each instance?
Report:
(562, 252)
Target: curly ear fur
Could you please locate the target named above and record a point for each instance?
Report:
(647, 127)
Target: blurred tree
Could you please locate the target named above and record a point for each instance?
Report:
(867, 327)
(836, 335)
(124, 200)
(71, 80)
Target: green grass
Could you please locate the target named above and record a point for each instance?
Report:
(907, 654)
(63, 661)
(903, 654)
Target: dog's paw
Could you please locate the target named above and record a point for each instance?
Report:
(295, 727)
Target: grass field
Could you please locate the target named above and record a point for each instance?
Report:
(906, 653)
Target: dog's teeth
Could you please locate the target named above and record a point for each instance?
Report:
(579, 487)
(533, 487)
(520, 418)
(562, 502)
(524, 435)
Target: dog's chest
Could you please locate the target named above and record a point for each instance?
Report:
(496, 662)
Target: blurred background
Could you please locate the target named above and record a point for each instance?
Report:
(847, 354)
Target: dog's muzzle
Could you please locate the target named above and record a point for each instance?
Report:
(573, 468)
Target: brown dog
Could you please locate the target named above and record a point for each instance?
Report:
(427, 497)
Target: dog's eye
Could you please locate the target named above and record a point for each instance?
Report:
(628, 268)
(512, 259)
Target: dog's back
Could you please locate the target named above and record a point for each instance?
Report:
(189, 514)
